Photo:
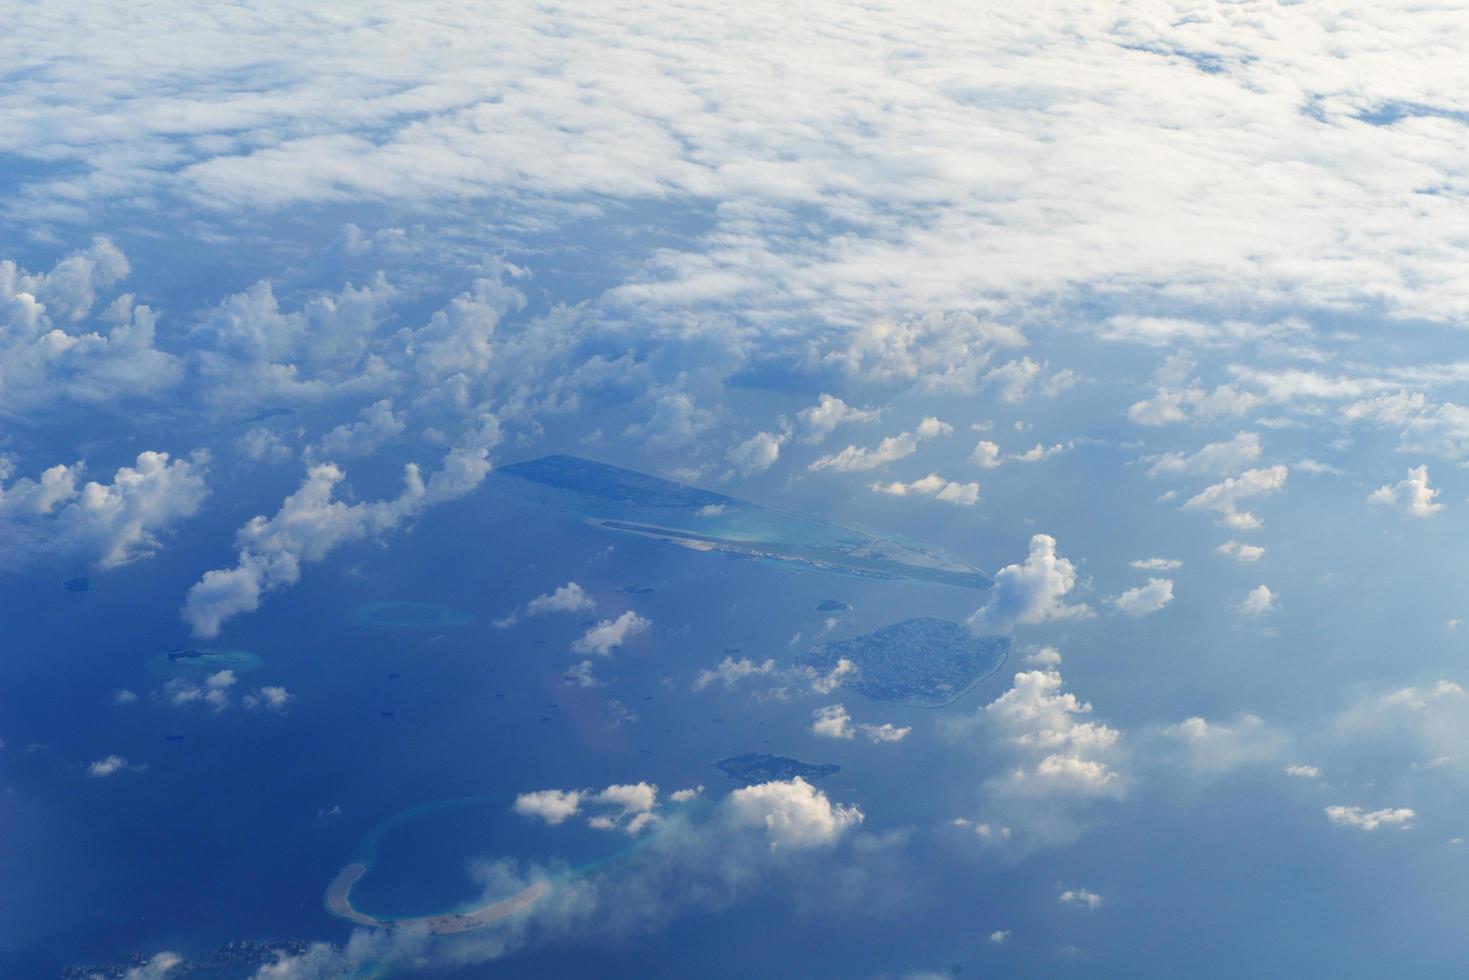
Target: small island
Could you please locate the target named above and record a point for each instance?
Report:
(925, 663)
(756, 767)
(832, 605)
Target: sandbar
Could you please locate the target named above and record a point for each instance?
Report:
(339, 903)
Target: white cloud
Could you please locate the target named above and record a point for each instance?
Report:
(1224, 497)
(986, 454)
(891, 449)
(378, 425)
(933, 485)
(1258, 601)
(1000, 937)
(1354, 816)
(731, 671)
(1044, 657)
(1013, 379)
(757, 453)
(159, 966)
(1215, 459)
(833, 721)
(1301, 771)
(821, 419)
(568, 598)
(1033, 592)
(1172, 405)
(124, 696)
(830, 681)
(1156, 564)
(1213, 747)
(1145, 599)
(1080, 897)
(1412, 495)
(271, 698)
(610, 634)
(551, 805)
(107, 766)
(214, 691)
(108, 524)
(793, 813)
(1241, 552)
(311, 523)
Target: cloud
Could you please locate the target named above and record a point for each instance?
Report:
(378, 425)
(821, 419)
(107, 766)
(1241, 552)
(1412, 495)
(1000, 937)
(1224, 497)
(891, 449)
(270, 698)
(1211, 748)
(731, 672)
(610, 634)
(214, 691)
(1258, 601)
(833, 721)
(1033, 592)
(107, 524)
(1215, 459)
(757, 453)
(568, 598)
(792, 813)
(1145, 599)
(311, 523)
(1080, 897)
(551, 805)
(1300, 771)
(1013, 379)
(986, 454)
(1173, 405)
(1156, 564)
(1353, 816)
(933, 485)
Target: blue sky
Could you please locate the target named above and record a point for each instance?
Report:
(1154, 311)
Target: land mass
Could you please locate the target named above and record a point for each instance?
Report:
(926, 663)
(756, 767)
(630, 502)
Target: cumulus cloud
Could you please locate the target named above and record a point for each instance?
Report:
(108, 524)
(1223, 498)
(551, 805)
(1173, 405)
(829, 412)
(378, 425)
(1061, 765)
(792, 813)
(1210, 748)
(1240, 551)
(1145, 599)
(1258, 601)
(568, 598)
(731, 672)
(108, 766)
(1032, 592)
(757, 453)
(1354, 816)
(986, 454)
(311, 523)
(213, 691)
(270, 698)
(1156, 564)
(1301, 771)
(610, 634)
(1081, 897)
(891, 449)
(1215, 459)
(833, 721)
(933, 485)
(1412, 495)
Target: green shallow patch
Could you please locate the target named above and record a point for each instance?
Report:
(409, 616)
(201, 662)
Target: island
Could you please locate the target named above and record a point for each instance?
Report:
(832, 605)
(925, 663)
(629, 502)
(757, 767)
(339, 903)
